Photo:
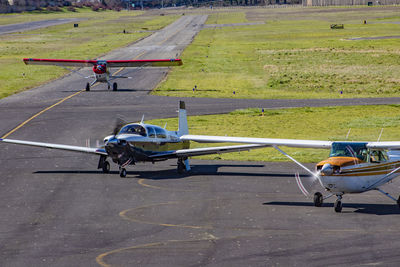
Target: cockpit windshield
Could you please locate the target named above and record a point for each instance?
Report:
(348, 149)
(133, 129)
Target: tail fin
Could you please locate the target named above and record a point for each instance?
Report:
(183, 124)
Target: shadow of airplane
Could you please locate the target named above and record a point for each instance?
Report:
(377, 209)
(172, 173)
(108, 90)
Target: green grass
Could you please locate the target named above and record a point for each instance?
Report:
(327, 123)
(98, 34)
(294, 55)
(226, 18)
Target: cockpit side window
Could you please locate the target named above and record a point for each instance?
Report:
(160, 132)
(151, 131)
(133, 129)
(349, 149)
(378, 156)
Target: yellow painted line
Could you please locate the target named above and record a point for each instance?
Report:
(39, 113)
(142, 183)
(100, 258)
(124, 215)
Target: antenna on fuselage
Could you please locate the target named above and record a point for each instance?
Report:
(142, 121)
(379, 138)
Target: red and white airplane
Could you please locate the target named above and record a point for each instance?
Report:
(101, 68)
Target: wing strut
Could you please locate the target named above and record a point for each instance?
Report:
(295, 161)
(301, 165)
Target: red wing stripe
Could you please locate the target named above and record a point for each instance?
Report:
(59, 60)
(144, 60)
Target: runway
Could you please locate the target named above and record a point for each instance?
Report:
(33, 25)
(57, 209)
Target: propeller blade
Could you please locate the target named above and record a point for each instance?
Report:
(307, 184)
(118, 125)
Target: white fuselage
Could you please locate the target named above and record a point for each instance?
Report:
(360, 177)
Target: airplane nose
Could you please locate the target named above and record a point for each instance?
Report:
(327, 169)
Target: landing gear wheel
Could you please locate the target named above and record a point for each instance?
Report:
(122, 172)
(108, 87)
(87, 86)
(398, 201)
(115, 86)
(106, 167)
(338, 206)
(318, 199)
(181, 167)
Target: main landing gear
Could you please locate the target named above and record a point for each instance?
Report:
(122, 172)
(87, 86)
(319, 200)
(183, 165)
(114, 86)
(104, 164)
(338, 204)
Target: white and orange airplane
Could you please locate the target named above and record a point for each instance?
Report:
(101, 68)
(352, 167)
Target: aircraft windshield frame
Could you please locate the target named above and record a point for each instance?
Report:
(135, 129)
(349, 149)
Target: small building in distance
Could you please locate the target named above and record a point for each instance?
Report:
(349, 2)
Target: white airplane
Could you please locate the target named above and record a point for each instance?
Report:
(101, 68)
(352, 167)
(140, 142)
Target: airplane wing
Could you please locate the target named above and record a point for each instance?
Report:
(385, 145)
(205, 151)
(110, 63)
(144, 63)
(260, 141)
(60, 62)
(82, 149)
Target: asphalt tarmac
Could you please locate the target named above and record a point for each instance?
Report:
(33, 25)
(57, 209)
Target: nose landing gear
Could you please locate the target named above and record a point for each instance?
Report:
(338, 204)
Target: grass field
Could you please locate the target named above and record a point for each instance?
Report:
(97, 34)
(294, 54)
(329, 123)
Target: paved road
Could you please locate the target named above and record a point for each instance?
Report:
(56, 209)
(33, 25)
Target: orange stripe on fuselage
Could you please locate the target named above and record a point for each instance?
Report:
(368, 170)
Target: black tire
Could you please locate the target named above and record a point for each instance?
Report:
(108, 87)
(338, 206)
(87, 86)
(398, 201)
(122, 173)
(181, 168)
(106, 167)
(115, 86)
(318, 199)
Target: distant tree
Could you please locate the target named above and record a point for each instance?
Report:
(4, 6)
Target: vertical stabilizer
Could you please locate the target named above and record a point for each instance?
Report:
(183, 124)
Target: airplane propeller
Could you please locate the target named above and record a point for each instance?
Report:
(307, 184)
(118, 125)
